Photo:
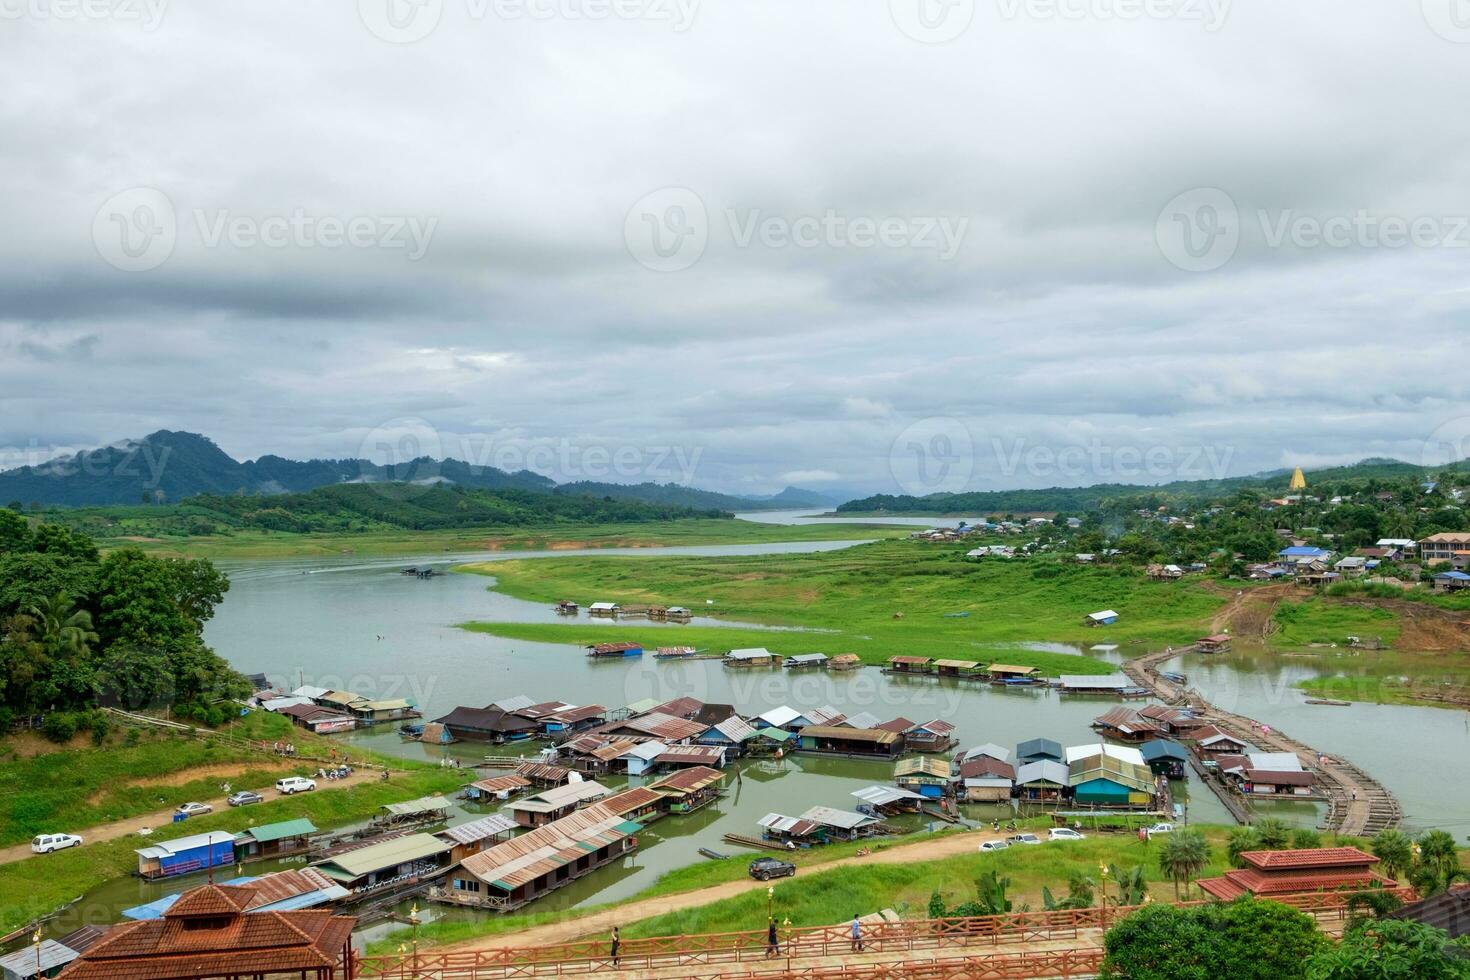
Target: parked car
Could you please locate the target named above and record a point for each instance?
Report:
(1064, 833)
(764, 869)
(994, 845)
(295, 784)
(1160, 828)
(244, 798)
(194, 809)
(46, 843)
(1023, 839)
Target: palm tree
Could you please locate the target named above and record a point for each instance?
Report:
(1275, 834)
(1242, 839)
(1184, 855)
(64, 631)
(1395, 851)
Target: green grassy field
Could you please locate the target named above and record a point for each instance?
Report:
(262, 544)
(876, 600)
(37, 886)
(1318, 622)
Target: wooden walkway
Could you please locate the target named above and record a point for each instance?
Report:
(1357, 804)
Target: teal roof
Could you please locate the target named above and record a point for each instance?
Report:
(280, 831)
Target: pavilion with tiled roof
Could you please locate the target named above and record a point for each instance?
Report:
(1297, 872)
(208, 933)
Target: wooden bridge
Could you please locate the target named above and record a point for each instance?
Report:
(1357, 804)
(1062, 943)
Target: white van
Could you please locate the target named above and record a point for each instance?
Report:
(46, 843)
(295, 784)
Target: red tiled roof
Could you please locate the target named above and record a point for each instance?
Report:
(1317, 857)
(211, 900)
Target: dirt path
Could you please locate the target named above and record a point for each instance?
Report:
(1251, 612)
(600, 922)
(161, 820)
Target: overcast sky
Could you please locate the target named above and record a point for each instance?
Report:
(852, 244)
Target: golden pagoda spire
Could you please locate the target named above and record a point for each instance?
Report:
(1298, 479)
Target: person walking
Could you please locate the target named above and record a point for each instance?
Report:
(773, 941)
(857, 934)
(617, 943)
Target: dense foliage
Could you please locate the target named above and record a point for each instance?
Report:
(78, 629)
(1384, 948)
(1244, 940)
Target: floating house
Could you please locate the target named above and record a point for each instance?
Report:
(1102, 685)
(544, 775)
(1042, 781)
(594, 754)
(606, 610)
(770, 741)
(888, 800)
(566, 722)
(511, 874)
(750, 657)
(988, 750)
(837, 740)
(792, 831)
(1038, 750)
(1109, 776)
(315, 718)
(689, 789)
(566, 608)
(490, 724)
(1014, 675)
(186, 854)
(274, 840)
(685, 756)
(1210, 741)
(665, 727)
(411, 813)
(1269, 774)
(44, 959)
(1174, 721)
(1165, 758)
(1106, 617)
(473, 837)
(929, 777)
(964, 669)
(806, 661)
(1216, 643)
(1295, 872)
(909, 665)
(639, 804)
(615, 650)
(863, 719)
(389, 866)
(784, 717)
(1126, 725)
(539, 809)
(639, 759)
(845, 661)
(842, 825)
(732, 734)
(674, 653)
(930, 736)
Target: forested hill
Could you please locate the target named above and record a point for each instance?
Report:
(379, 506)
(1122, 496)
(171, 467)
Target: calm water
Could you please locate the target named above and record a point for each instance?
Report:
(359, 625)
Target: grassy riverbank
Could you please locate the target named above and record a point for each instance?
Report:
(559, 537)
(877, 600)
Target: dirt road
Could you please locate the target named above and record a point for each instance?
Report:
(600, 922)
(161, 821)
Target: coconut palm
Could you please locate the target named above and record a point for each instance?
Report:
(1242, 839)
(63, 631)
(1395, 851)
(1184, 855)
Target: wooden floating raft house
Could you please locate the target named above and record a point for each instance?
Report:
(687, 790)
(806, 661)
(566, 608)
(669, 614)
(624, 649)
(845, 661)
(929, 777)
(750, 657)
(674, 653)
(873, 743)
(1105, 685)
(1014, 675)
(909, 665)
(606, 610)
(411, 813)
(1218, 643)
(965, 669)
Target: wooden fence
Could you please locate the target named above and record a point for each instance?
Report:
(704, 952)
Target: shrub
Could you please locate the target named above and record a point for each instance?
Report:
(59, 727)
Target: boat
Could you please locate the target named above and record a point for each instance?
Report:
(1330, 701)
(713, 854)
(566, 608)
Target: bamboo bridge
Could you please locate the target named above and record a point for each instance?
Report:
(1357, 804)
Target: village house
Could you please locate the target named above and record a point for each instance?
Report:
(1165, 757)
(842, 825)
(792, 831)
(845, 661)
(1106, 685)
(837, 740)
(887, 801)
(1268, 774)
(1452, 581)
(1014, 674)
(1210, 741)
(1109, 776)
(274, 840)
(604, 651)
(1444, 547)
(732, 735)
(639, 804)
(750, 657)
(806, 661)
(548, 805)
(686, 756)
(964, 669)
(930, 736)
(1126, 725)
(490, 724)
(1038, 750)
(315, 718)
(1041, 781)
(1174, 721)
(1214, 643)
(208, 932)
(688, 790)
(928, 777)
(473, 837)
(184, 855)
(909, 665)
(388, 866)
(511, 874)
(495, 788)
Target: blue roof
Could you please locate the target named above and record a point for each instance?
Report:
(1162, 748)
(1456, 576)
(1302, 551)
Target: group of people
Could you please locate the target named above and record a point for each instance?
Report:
(285, 748)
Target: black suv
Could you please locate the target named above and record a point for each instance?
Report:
(764, 869)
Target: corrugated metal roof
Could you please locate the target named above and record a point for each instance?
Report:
(842, 819)
(22, 962)
(874, 735)
(478, 830)
(568, 794)
(687, 780)
(782, 824)
(424, 804)
(530, 856)
(280, 831)
(377, 857)
(882, 795)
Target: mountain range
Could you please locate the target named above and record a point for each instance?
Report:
(171, 466)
